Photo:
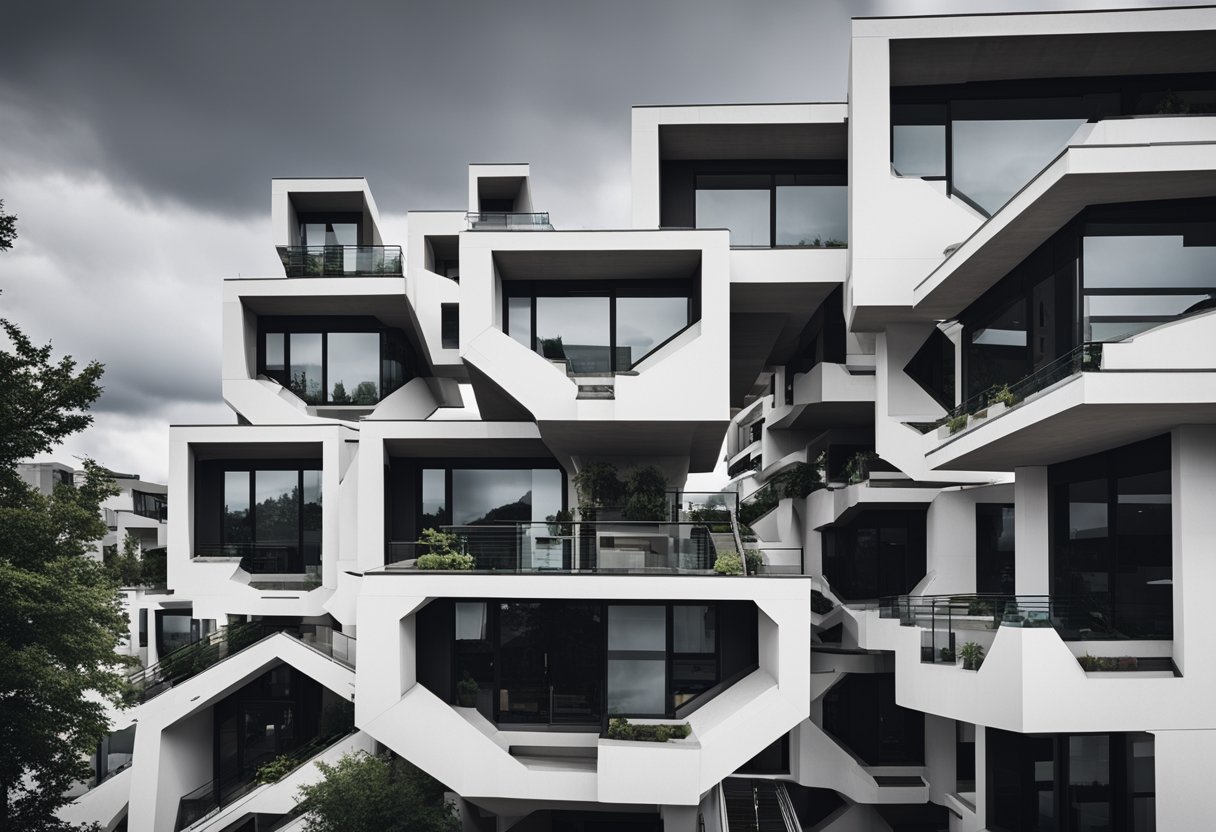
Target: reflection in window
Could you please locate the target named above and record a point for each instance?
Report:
(992, 160)
(269, 517)
(237, 527)
(489, 496)
(305, 372)
(737, 202)
(811, 214)
(637, 659)
(918, 149)
(644, 323)
(357, 366)
(574, 324)
(576, 330)
(434, 498)
(353, 368)
(1176, 276)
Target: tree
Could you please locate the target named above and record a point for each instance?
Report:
(8, 228)
(362, 793)
(61, 618)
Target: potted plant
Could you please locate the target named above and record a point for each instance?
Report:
(467, 690)
(442, 552)
(972, 655)
(729, 563)
(956, 423)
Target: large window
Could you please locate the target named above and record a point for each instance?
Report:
(580, 662)
(1070, 782)
(877, 554)
(266, 513)
(598, 327)
(988, 139)
(350, 361)
(1111, 532)
(1113, 272)
(764, 210)
(154, 506)
(860, 711)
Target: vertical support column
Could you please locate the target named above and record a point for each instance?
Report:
(1031, 555)
(679, 818)
(1193, 494)
(981, 775)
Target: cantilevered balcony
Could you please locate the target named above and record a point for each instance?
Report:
(508, 221)
(341, 261)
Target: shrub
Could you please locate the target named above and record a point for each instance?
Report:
(560, 522)
(454, 563)
(620, 728)
(755, 561)
(597, 485)
(646, 494)
(857, 469)
(276, 769)
(442, 552)
(947, 655)
(972, 655)
(1003, 395)
(729, 563)
(1106, 664)
(956, 423)
(799, 480)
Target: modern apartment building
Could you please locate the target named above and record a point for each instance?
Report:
(958, 335)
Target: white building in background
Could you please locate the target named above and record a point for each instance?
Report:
(958, 336)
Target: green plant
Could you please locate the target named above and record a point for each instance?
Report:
(956, 423)
(979, 606)
(362, 793)
(857, 469)
(337, 719)
(442, 552)
(597, 485)
(467, 690)
(947, 655)
(646, 494)
(755, 561)
(729, 563)
(972, 655)
(552, 348)
(1003, 395)
(275, 770)
(799, 480)
(1106, 664)
(620, 728)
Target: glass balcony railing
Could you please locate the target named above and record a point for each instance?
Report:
(262, 558)
(507, 221)
(1084, 358)
(601, 546)
(951, 622)
(341, 261)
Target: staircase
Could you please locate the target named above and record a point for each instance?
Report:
(757, 806)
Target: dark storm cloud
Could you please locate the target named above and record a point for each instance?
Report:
(203, 102)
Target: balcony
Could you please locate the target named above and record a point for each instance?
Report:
(574, 547)
(508, 221)
(341, 261)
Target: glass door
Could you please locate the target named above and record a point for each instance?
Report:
(551, 660)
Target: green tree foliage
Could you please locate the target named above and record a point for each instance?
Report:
(60, 618)
(362, 793)
(125, 567)
(646, 494)
(8, 228)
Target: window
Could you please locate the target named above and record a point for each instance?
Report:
(987, 139)
(1070, 782)
(860, 712)
(598, 327)
(449, 325)
(933, 368)
(637, 660)
(149, 505)
(994, 563)
(1114, 272)
(332, 362)
(1112, 541)
(266, 513)
(764, 210)
(878, 554)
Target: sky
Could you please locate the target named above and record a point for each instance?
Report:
(138, 141)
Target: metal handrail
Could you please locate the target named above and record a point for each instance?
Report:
(341, 261)
(1083, 358)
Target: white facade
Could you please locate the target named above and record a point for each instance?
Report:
(956, 339)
